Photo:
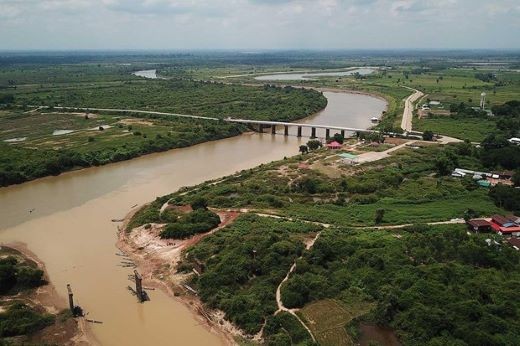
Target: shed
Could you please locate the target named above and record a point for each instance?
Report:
(479, 225)
(484, 183)
(515, 243)
(334, 145)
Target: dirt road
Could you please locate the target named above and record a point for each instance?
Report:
(406, 122)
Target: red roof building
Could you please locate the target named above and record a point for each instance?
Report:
(334, 145)
(505, 225)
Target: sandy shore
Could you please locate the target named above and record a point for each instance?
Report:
(74, 331)
(157, 260)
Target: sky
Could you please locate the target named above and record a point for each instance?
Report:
(258, 24)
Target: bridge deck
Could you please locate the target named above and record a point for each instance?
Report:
(281, 123)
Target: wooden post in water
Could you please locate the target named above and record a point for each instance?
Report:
(273, 129)
(299, 131)
(71, 298)
(139, 286)
(286, 130)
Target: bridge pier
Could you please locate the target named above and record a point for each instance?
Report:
(286, 130)
(343, 133)
(313, 132)
(299, 131)
(71, 299)
(327, 133)
(261, 128)
(273, 129)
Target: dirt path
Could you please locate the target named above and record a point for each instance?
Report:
(449, 222)
(375, 156)
(279, 301)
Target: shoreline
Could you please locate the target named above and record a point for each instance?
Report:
(48, 298)
(333, 90)
(151, 266)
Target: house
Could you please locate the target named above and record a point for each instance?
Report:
(515, 243)
(503, 174)
(479, 225)
(505, 225)
(334, 145)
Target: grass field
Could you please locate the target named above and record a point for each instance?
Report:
(474, 129)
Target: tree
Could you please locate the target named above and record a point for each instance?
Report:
(338, 138)
(314, 144)
(380, 214)
(6, 99)
(199, 203)
(516, 178)
(427, 135)
(443, 165)
(304, 149)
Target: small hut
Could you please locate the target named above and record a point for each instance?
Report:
(334, 145)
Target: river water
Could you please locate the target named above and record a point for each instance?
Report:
(70, 228)
(313, 75)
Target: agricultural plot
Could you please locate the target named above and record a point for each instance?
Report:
(328, 318)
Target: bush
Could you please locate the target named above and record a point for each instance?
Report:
(198, 221)
(427, 135)
(20, 319)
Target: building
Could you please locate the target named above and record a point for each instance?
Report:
(515, 243)
(334, 145)
(479, 225)
(505, 225)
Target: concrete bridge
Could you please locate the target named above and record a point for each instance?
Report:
(273, 124)
(262, 124)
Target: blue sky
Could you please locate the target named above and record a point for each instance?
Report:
(258, 24)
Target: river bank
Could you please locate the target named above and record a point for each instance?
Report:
(157, 261)
(45, 298)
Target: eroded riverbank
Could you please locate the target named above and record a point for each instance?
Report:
(70, 228)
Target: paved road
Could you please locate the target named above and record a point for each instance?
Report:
(406, 122)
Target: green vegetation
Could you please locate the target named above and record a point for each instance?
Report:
(429, 284)
(243, 264)
(402, 185)
(433, 285)
(20, 319)
(473, 129)
(18, 277)
(328, 318)
(285, 329)
(198, 221)
(50, 141)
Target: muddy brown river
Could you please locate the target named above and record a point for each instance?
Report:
(70, 228)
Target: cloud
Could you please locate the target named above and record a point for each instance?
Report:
(258, 24)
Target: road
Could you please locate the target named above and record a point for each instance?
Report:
(406, 122)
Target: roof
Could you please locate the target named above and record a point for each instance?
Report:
(334, 144)
(514, 242)
(348, 156)
(484, 183)
(510, 229)
(479, 223)
(501, 220)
